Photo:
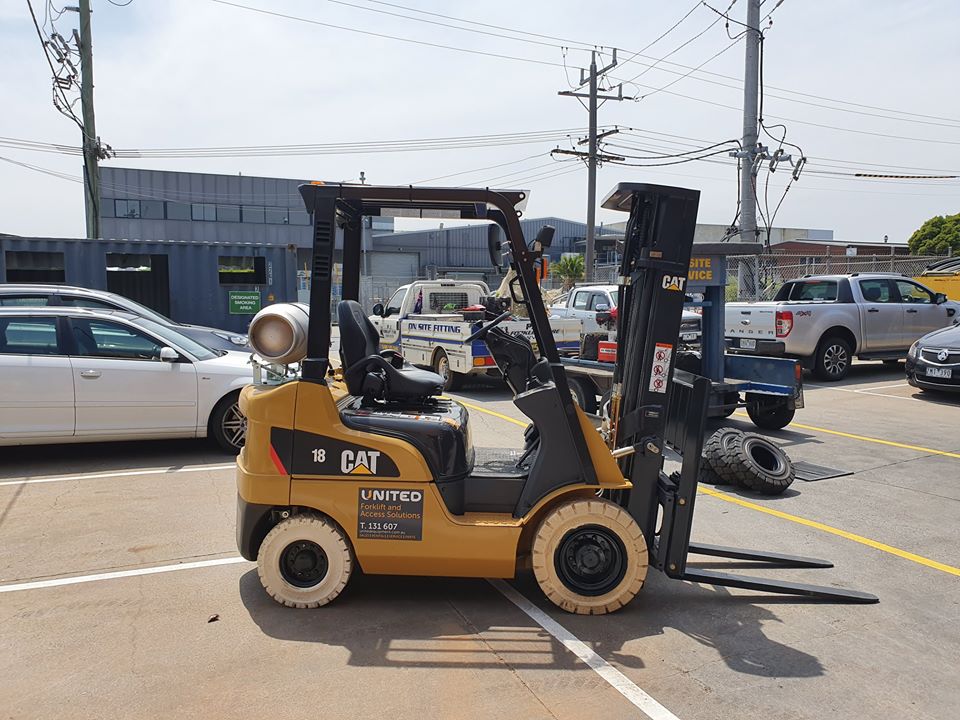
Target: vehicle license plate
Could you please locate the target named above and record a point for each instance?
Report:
(940, 372)
(746, 344)
(688, 337)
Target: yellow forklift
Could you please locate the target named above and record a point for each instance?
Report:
(367, 466)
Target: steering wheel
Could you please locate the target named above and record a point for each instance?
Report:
(479, 334)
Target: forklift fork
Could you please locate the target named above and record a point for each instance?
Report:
(686, 418)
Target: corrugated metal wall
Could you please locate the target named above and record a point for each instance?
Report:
(196, 295)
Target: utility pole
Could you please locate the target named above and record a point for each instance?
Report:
(748, 151)
(91, 143)
(592, 156)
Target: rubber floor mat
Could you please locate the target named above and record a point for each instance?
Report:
(808, 472)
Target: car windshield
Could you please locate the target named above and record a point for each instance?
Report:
(145, 312)
(200, 352)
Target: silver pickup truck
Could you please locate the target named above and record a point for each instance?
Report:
(826, 320)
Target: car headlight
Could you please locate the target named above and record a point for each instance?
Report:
(914, 350)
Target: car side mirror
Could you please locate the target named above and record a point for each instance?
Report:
(940, 298)
(378, 309)
(168, 354)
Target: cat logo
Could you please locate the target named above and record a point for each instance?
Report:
(359, 462)
(674, 282)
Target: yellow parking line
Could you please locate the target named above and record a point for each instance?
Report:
(883, 547)
(833, 531)
(865, 438)
(491, 412)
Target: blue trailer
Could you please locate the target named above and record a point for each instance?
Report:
(769, 389)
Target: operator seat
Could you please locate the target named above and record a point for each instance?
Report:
(871, 293)
(373, 374)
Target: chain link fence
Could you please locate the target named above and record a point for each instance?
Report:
(758, 277)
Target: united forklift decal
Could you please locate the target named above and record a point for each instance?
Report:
(390, 514)
(304, 453)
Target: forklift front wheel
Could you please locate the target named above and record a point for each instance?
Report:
(304, 561)
(589, 557)
(441, 366)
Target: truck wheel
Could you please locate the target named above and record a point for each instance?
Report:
(227, 425)
(583, 395)
(756, 463)
(304, 561)
(589, 557)
(832, 361)
(441, 366)
(769, 415)
(713, 453)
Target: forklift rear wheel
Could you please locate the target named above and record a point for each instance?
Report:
(769, 415)
(583, 395)
(304, 561)
(441, 366)
(589, 557)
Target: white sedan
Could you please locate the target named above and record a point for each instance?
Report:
(79, 375)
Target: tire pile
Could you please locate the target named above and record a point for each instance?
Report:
(748, 460)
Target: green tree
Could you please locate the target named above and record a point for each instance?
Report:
(569, 269)
(936, 236)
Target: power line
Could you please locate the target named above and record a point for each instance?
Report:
(385, 36)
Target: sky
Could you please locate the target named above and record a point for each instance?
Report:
(862, 86)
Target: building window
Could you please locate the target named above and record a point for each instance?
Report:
(107, 208)
(228, 213)
(203, 211)
(178, 211)
(35, 267)
(299, 217)
(127, 209)
(276, 216)
(242, 270)
(253, 214)
(151, 209)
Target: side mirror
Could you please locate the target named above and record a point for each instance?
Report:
(168, 354)
(940, 298)
(378, 309)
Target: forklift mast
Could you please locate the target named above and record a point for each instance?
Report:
(653, 273)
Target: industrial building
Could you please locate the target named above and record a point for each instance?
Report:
(190, 245)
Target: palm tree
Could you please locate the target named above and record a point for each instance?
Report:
(569, 269)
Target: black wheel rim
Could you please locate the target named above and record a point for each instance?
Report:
(591, 560)
(303, 563)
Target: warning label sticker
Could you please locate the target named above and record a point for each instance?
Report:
(390, 514)
(660, 368)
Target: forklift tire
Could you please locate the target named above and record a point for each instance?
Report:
(713, 450)
(304, 561)
(757, 464)
(583, 395)
(441, 366)
(769, 416)
(589, 556)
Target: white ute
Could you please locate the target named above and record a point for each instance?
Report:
(424, 322)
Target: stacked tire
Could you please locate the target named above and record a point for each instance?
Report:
(747, 460)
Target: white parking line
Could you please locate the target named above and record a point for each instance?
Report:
(119, 473)
(616, 679)
(866, 391)
(56, 582)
